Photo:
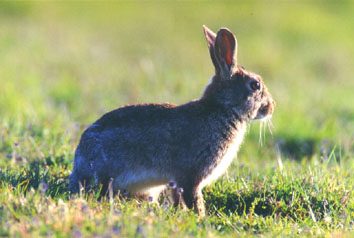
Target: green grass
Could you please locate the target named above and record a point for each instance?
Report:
(65, 64)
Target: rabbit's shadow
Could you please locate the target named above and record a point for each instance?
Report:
(240, 203)
(264, 203)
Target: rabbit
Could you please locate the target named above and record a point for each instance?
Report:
(139, 149)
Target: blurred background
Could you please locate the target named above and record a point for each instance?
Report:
(62, 65)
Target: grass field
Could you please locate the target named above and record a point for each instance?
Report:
(62, 65)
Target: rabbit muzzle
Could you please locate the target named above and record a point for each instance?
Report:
(266, 110)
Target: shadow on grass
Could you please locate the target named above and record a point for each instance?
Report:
(39, 176)
(300, 148)
(297, 148)
(263, 202)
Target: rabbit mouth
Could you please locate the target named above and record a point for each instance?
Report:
(263, 117)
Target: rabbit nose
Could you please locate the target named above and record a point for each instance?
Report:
(268, 108)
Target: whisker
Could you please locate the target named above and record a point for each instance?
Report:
(264, 132)
(260, 134)
(270, 126)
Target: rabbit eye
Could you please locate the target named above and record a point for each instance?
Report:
(255, 85)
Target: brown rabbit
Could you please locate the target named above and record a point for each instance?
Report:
(141, 148)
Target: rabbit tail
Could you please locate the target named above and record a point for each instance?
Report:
(81, 175)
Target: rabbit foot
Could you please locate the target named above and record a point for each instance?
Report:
(189, 198)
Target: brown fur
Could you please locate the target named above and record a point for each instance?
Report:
(140, 148)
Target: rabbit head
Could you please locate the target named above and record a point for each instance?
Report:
(232, 86)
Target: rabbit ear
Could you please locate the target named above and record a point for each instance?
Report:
(210, 37)
(225, 50)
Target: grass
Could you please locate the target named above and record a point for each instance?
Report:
(65, 64)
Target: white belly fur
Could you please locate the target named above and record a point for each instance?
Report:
(225, 160)
(141, 182)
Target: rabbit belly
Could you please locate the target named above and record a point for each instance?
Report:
(141, 182)
(225, 160)
(152, 192)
